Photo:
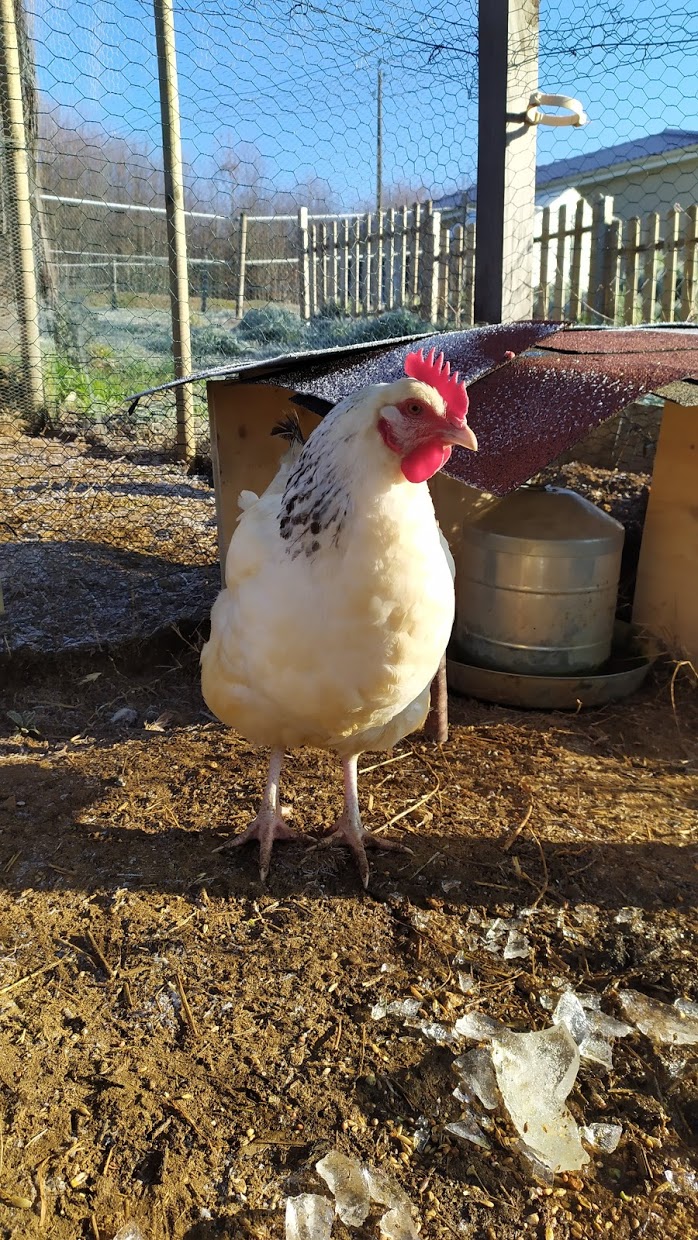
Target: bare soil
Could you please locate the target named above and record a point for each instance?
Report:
(179, 1044)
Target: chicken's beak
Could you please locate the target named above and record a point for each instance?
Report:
(461, 436)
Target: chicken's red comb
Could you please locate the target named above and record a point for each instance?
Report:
(437, 373)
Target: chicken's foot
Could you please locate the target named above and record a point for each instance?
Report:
(349, 828)
(269, 824)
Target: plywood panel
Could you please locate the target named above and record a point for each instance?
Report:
(666, 596)
(245, 453)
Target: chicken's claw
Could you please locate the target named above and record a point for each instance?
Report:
(267, 827)
(358, 839)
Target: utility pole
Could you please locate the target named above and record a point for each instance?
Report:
(176, 228)
(506, 160)
(379, 140)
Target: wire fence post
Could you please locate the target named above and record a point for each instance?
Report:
(176, 225)
(506, 159)
(20, 217)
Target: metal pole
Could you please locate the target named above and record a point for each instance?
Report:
(176, 227)
(379, 141)
(506, 160)
(19, 197)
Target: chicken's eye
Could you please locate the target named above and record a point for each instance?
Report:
(414, 407)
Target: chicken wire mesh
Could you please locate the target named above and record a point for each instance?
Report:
(330, 161)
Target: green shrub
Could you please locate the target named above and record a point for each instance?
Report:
(271, 325)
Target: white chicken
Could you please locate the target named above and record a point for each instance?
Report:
(339, 600)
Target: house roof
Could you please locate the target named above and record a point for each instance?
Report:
(638, 151)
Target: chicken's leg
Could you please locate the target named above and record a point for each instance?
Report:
(349, 828)
(269, 824)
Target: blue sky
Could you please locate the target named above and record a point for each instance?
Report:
(290, 84)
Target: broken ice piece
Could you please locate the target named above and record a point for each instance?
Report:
(434, 1030)
(400, 1007)
(468, 1130)
(602, 1137)
(686, 1006)
(383, 1188)
(345, 1180)
(422, 1135)
(659, 1021)
(477, 1076)
(397, 1224)
(450, 884)
(517, 946)
(466, 983)
(477, 1027)
(535, 1073)
(629, 917)
(538, 1169)
(309, 1217)
(569, 1012)
(596, 1050)
(129, 1231)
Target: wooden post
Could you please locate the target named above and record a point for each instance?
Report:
(506, 159)
(19, 194)
(176, 224)
(689, 284)
(612, 273)
(602, 218)
(344, 268)
(649, 284)
(671, 262)
(313, 270)
(334, 265)
(578, 236)
(114, 285)
(356, 282)
(204, 287)
(469, 276)
(436, 725)
(442, 267)
(631, 247)
(303, 265)
(380, 226)
(242, 262)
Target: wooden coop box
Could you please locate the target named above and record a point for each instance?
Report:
(536, 390)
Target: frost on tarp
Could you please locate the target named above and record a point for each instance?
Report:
(676, 1024)
(345, 1180)
(309, 1217)
(535, 1073)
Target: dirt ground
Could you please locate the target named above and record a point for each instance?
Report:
(179, 1045)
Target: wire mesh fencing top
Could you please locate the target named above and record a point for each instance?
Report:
(330, 195)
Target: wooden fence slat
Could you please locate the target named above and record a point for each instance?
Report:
(442, 263)
(380, 230)
(689, 284)
(601, 220)
(368, 281)
(577, 248)
(469, 276)
(402, 258)
(429, 264)
(455, 281)
(560, 266)
(242, 255)
(416, 254)
(344, 269)
(612, 271)
(313, 269)
(356, 281)
(390, 265)
(541, 302)
(303, 264)
(631, 250)
(334, 265)
(649, 282)
(672, 228)
(324, 268)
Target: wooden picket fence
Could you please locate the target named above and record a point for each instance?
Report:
(588, 266)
